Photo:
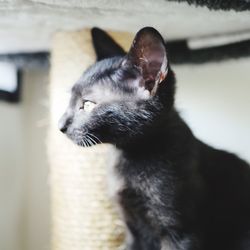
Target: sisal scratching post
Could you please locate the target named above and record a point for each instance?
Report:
(82, 215)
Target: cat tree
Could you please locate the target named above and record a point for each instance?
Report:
(82, 215)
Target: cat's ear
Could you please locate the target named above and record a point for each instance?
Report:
(104, 45)
(148, 54)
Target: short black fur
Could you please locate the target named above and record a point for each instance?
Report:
(175, 192)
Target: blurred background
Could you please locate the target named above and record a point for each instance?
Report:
(213, 93)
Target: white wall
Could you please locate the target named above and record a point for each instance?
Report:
(12, 176)
(24, 210)
(214, 99)
(36, 119)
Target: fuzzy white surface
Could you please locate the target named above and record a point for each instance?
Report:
(29, 25)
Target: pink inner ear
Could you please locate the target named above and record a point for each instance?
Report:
(154, 68)
(148, 54)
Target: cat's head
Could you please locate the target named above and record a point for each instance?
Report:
(122, 96)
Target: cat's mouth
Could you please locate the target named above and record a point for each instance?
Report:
(84, 139)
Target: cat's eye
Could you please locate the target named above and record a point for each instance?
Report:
(88, 106)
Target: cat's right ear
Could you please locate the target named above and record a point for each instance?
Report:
(148, 54)
(104, 45)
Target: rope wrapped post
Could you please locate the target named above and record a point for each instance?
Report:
(82, 214)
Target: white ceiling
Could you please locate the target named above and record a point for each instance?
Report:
(28, 25)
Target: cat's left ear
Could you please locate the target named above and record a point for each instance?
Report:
(104, 45)
(148, 54)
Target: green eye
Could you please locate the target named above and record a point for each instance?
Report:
(88, 106)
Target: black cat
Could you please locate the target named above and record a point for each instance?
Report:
(175, 192)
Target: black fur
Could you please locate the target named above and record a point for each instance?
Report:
(178, 193)
(111, 48)
(238, 5)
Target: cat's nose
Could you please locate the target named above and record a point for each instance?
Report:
(63, 124)
(63, 128)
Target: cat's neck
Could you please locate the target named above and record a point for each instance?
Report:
(164, 137)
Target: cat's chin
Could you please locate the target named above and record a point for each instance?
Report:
(83, 144)
(88, 140)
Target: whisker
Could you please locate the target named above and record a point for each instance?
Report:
(81, 143)
(91, 139)
(93, 142)
(95, 137)
(87, 142)
(87, 138)
(84, 143)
